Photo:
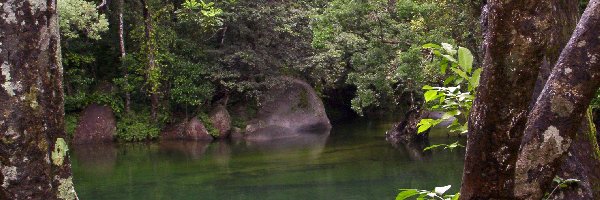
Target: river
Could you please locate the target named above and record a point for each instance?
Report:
(353, 163)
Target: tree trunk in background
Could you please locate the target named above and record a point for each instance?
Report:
(34, 163)
(120, 5)
(578, 164)
(513, 49)
(151, 60)
(558, 113)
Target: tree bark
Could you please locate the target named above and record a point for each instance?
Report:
(151, 60)
(123, 54)
(513, 49)
(560, 108)
(34, 163)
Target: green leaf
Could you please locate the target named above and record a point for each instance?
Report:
(407, 193)
(465, 59)
(424, 125)
(460, 73)
(449, 80)
(431, 46)
(449, 48)
(430, 95)
(443, 65)
(433, 147)
(474, 81)
(441, 190)
(449, 58)
(456, 196)
(427, 87)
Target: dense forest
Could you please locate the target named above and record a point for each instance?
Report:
(181, 57)
(511, 86)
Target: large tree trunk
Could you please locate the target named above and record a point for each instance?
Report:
(34, 163)
(560, 108)
(151, 60)
(514, 46)
(120, 5)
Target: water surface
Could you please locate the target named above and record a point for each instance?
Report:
(353, 162)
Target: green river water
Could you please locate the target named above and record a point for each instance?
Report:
(354, 162)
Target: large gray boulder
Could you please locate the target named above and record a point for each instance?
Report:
(97, 124)
(291, 108)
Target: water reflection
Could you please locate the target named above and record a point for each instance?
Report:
(191, 149)
(353, 162)
(98, 158)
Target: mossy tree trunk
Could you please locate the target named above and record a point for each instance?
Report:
(151, 73)
(558, 112)
(34, 161)
(514, 44)
(514, 50)
(121, 32)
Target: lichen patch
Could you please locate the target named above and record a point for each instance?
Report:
(8, 85)
(9, 15)
(552, 133)
(66, 190)
(568, 70)
(37, 5)
(9, 173)
(593, 58)
(561, 106)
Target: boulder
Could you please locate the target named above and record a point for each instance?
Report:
(96, 124)
(192, 129)
(290, 108)
(221, 120)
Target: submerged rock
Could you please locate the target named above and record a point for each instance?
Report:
(192, 129)
(291, 108)
(96, 124)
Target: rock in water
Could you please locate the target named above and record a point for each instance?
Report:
(290, 108)
(192, 129)
(221, 120)
(96, 124)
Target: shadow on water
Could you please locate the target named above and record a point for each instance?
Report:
(352, 162)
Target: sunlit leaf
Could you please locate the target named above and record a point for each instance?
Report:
(460, 72)
(430, 95)
(407, 193)
(431, 46)
(441, 190)
(449, 48)
(465, 59)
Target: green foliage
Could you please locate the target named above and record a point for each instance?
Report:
(595, 104)
(207, 122)
(190, 84)
(375, 46)
(436, 194)
(79, 17)
(445, 146)
(562, 183)
(201, 13)
(455, 97)
(71, 124)
(134, 127)
(80, 100)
